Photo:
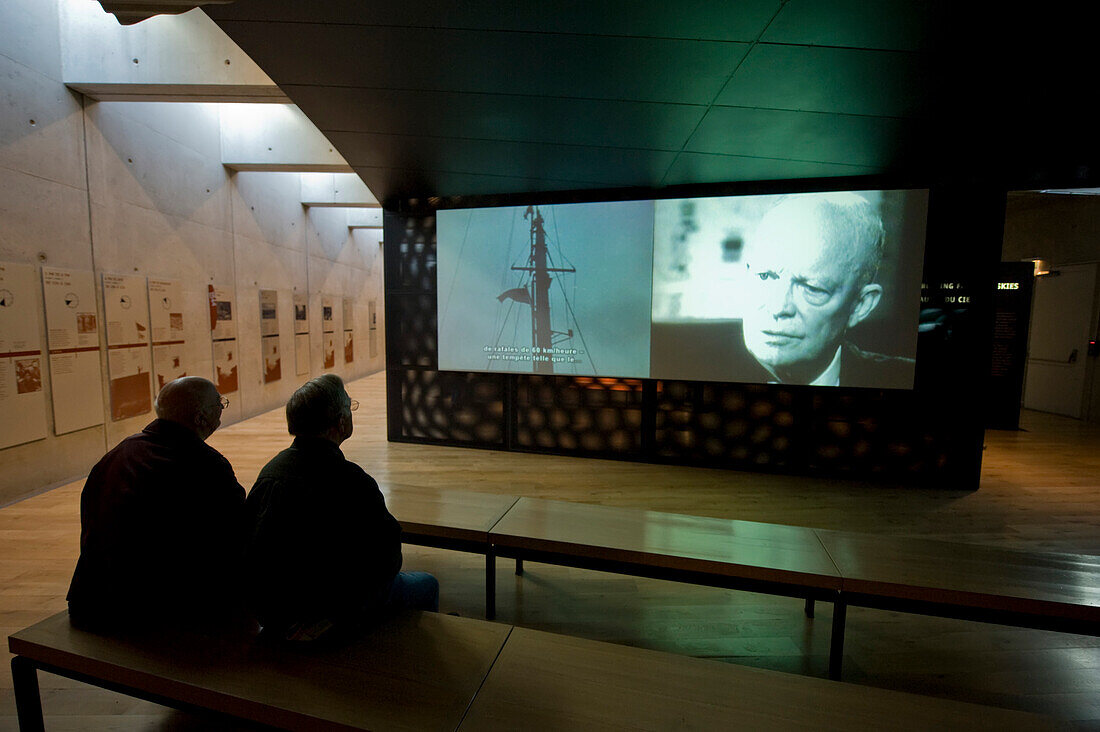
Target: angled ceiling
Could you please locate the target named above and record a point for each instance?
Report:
(440, 98)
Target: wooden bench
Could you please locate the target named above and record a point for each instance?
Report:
(1027, 589)
(449, 519)
(1042, 590)
(426, 671)
(419, 672)
(745, 555)
(547, 682)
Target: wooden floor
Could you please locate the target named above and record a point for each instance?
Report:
(1040, 489)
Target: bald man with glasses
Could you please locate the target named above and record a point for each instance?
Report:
(161, 523)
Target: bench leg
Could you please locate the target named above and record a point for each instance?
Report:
(490, 584)
(836, 643)
(809, 607)
(519, 567)
(28, 702)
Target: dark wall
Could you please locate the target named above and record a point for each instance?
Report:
(931, 435)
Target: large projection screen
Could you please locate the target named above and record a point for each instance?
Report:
(807, 288)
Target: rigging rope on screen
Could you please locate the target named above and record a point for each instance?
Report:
(454, 275)
(511, 304)
(576, 324)
(497, 320)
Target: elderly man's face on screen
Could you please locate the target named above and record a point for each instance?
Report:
(810, 262)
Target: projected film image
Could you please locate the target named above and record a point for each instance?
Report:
(817, 288)
(554, 289)
(820, 289)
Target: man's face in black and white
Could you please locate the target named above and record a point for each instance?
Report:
(807, 283)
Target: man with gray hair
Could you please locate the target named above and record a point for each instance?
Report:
(812, 266)
(161, 519)
(323, 552)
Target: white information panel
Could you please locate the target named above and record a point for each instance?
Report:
(329, 348)
(22, 399)
(129, 361)
(349, 324)
(269, 312)
(301, 353)
(223, 331)
(349, 313)
(126, 308)
(166, 321)
(168, 364)
(328, 315)
(273, 362)
(301, 335)
(222, 318)
(301, 314)
(166, 310)
(349, 347)
(225, 366)
(76, 376)
(269, 336)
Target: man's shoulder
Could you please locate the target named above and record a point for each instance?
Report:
(320, 477)
(208, 457)
(164, 434)
(307, 459)
(136, 441)
(284, 462)
(129, 449)
(876, 370)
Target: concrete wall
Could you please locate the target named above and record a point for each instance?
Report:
(186, 49)
(140, 188)
(1059, 228)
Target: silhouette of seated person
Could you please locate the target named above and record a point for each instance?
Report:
(161, 523)
(323, 555)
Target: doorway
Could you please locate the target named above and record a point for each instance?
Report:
(1061, 326)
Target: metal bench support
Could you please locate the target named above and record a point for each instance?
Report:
(836, 644)
(28, 702)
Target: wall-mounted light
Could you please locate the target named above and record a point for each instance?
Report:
(1042, 267)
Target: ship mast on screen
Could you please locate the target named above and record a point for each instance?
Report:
(559, 289)
(536, 294)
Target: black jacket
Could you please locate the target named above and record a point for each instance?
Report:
(161, 519)
(321, 543)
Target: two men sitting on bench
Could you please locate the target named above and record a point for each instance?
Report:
(165, 526)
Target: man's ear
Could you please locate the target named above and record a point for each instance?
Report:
(868, 300)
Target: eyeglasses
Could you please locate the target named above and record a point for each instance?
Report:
(224, 402)
(354, 405)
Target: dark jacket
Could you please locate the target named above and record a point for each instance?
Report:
(161, 519)
(322, 545)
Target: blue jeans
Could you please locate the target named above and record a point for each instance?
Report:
(413, 591)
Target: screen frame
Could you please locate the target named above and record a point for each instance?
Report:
(430, 206)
